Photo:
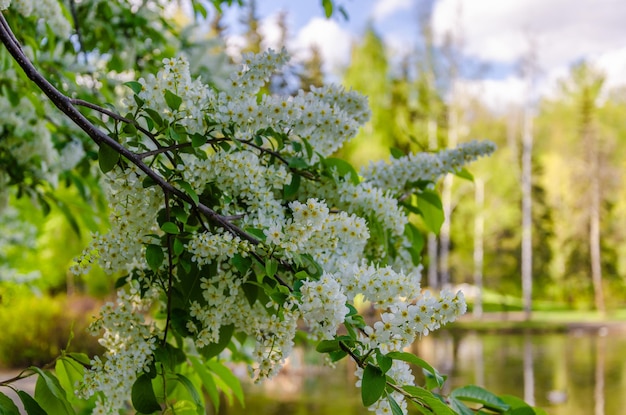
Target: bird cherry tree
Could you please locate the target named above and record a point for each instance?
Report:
(233, 226)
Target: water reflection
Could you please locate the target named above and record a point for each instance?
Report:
(582, 372)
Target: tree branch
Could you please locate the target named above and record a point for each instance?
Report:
(64, 104)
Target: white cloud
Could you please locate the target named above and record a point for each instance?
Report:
(333, 41)
(562, 29)
(385, 8)
(562, 32)
(498, 94)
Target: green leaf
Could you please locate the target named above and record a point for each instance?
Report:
(50, 395)
(343, 168)
(292, 188)
(384, 362)
(213, 349)
(193, 392)
(170, 227)
(229, 379)
(328, 7)
(517, 405)
(7, 407)
(242, 264)
(154, 116)
(30, 404)
(189, 190)
(396, 153)
(107, 158)
(464, 174)
(480, 395)
(460, 407)
(197, 140)
(207, 381)
(431, 209)
(411, 358)
(69, 372)
(395, 408)
(134, 85)
(143, 397)
(271, 266)
(430, 399)
(328, 346)
(154, 256)
(173, 101)
(372, 385)
(80, 358)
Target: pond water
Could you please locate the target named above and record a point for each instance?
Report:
(575, 373)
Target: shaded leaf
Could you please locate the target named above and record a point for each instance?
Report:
(372, 385)
(107, 158)
(143, 397)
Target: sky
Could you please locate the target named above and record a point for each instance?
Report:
(496, 34)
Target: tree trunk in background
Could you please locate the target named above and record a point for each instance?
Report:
(594, 227)
(527, 244)
(479, 230)
(446, 200)
(433, 280)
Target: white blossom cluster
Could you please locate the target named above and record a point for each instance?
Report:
(323, 306)
(207, 247)
(176, 79)
(129, 344)
(332, 218)
(424, 166)
(132, 219)
(401, 373)
(51, 9)
(404, 321)
(25, 136)
(227, 304)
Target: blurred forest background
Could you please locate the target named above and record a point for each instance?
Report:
(549, 205)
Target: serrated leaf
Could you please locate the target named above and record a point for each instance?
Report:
(107, 158)
(154, 256)
(143, 397)
(30, 405)
(170, 227)
(7, 407)
(372, 385)
(173, 101)
(473, 393)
